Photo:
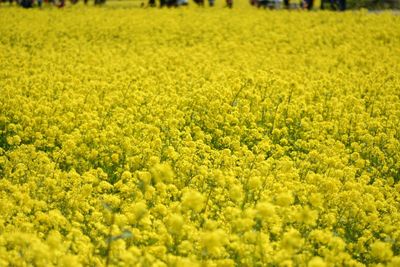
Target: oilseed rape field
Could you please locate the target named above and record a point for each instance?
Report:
(199, 137)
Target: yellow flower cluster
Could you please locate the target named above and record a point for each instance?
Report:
(198, 137)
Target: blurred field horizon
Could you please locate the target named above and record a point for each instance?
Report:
(294, 5)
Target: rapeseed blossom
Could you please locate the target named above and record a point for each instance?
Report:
(194, 137)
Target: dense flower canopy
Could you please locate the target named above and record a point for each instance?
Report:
(198, 137)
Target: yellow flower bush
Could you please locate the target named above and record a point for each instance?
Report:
(199, 137)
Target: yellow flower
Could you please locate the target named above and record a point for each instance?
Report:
(254, 182)
(266, 210)
(175, 223)
(395, 261)
(214, 241)
(307, 216)
(292, 239)
(69, 261)
(145, 177)
(381, 251)
(162, 173)
(139, 210)
(193, 200)
(317, 262)
(284, 199)
(236, 193)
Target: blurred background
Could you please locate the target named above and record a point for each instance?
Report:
(271, 4)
